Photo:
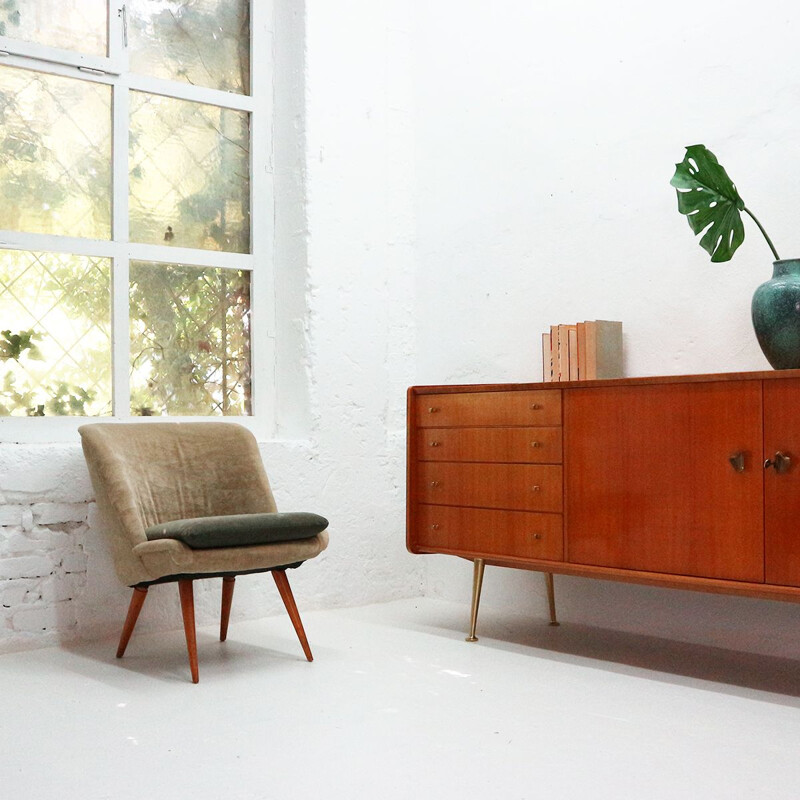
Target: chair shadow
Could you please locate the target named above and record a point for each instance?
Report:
(618, 651)
(163, 657)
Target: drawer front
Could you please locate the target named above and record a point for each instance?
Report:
(522, 534)
(538, 407)
(531, 445)
(528, 487)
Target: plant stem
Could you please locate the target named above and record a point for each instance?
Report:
(761, 228)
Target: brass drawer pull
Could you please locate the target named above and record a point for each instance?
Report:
(536, 407)
(436, 444)
(537, 535)
(536, 488)
(737, 462)
(433, 410)
(536, 444)
(435, 526)
(434, 484)
(780, 461)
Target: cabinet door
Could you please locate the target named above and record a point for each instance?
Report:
(649, 484)
(782, 489)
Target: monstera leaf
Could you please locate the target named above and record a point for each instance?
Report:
(710, 201)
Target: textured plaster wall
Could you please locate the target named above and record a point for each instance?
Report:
(546, 137)
(345, 338)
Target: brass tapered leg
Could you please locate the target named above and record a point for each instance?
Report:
(282, 582)
(477, 583)
(551, 598)
(137, 601)
(186, 590)
(227, 601)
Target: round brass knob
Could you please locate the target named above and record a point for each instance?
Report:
(536, 444)
(536, 488)
(434, 484)
(435, 526)
(536, 406)
(432, 410)
(435, 444)
(537, 535)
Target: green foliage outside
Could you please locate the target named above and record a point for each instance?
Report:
(190, 345)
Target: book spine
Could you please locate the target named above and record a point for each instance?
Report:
(547, 358)
(572, 334)
(581, 331)
(609, 349)
(556, 350)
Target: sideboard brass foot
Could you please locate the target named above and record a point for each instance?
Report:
(551, 598)
(477, 583)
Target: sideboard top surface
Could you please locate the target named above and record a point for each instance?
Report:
(766, 375)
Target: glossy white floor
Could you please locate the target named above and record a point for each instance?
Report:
(397, 705)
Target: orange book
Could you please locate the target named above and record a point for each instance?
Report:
(556, 351)
(572, 334)
(547, 358)
(581, 326)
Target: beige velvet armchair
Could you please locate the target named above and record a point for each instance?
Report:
(182, 501)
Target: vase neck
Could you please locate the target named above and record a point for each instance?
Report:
(787, 266)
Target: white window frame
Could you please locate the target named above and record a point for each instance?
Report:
(258, 262)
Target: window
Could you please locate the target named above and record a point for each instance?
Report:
(134, 223)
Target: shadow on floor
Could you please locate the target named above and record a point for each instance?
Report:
(619, 650)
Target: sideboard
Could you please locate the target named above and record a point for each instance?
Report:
(689, 482)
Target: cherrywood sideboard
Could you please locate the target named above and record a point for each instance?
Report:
(688, 482)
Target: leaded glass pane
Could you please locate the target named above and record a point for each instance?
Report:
(189, 174)
(80, 25)
(55, 342)
(202, 42)
(190, 340)
(55, 154)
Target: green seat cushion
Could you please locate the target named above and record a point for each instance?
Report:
(240, 530)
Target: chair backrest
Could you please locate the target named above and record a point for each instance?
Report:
(146, 473)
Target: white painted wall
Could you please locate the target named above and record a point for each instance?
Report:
(546, 136)
(472, 175)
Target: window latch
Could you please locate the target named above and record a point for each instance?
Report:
(123, 15)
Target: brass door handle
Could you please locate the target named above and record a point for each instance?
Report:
(737, 461)
(782, 462)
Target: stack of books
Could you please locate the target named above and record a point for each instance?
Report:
(586, 351)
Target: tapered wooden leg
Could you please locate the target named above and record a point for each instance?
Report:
(477, 583)
(186, 590)
(137, 601)
(227, 600)
(551, 597)
(282, 582)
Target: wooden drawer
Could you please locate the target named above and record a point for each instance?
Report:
(531, 445)
(488, 532)
(536, 407)
(527, 487)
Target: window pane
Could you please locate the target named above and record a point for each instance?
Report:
(55, 154)
(203, 42)
(189, 174)
(79, 25)
(55, 343)
(190, 340)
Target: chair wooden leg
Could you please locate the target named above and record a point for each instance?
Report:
(186, 589)
(227, 600)
(282, 582)
(137, 601)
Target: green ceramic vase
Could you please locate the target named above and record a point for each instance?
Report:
(776, 315)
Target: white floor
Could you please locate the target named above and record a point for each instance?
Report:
(397, 705)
